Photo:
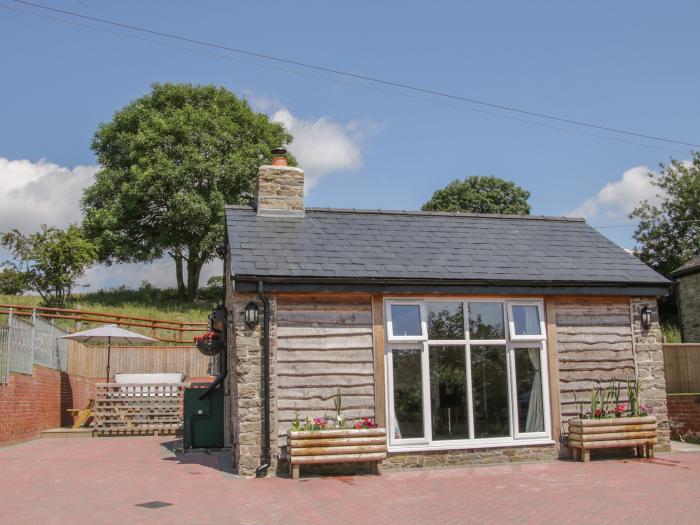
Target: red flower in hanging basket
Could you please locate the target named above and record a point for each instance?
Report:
(206, 337)
(210, 344)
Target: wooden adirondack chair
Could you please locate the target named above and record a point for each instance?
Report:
(82, 416)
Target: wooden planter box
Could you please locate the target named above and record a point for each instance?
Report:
(336, 446)
(619, 432)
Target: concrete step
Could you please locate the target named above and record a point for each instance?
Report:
(66, 432)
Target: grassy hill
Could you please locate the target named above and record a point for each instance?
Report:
(147, 301)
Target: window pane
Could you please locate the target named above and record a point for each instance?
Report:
(486, 321)
(405, 320)
(448, 392)
(408, 394)
(528, 386)
(490, 391)
(526, 319)
(445, 321)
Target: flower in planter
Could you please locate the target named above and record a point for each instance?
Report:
(365, 422)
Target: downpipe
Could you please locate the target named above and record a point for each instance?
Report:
(261, 471)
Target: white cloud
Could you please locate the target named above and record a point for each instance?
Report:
(617, 199)
(322, 146)
(35, 193)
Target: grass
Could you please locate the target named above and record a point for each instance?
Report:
(671, 332)
(147, 301)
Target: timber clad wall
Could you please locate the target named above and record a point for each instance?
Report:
(594, 345)
(323, 343)
(600, 339)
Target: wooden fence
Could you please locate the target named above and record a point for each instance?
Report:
(91, 361)
(182, 331)
(682, 367)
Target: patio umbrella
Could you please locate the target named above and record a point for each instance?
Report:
(110, 333)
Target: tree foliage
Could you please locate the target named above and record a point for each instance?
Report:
(668, 234)
(478, 194)
(170, 161)
(12, 281)
(51, 260)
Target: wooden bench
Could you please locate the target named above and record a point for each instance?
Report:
(336, 446)
(620, 432)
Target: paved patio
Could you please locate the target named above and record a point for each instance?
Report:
(103, 481)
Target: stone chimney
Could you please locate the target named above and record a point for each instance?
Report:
(280, 188)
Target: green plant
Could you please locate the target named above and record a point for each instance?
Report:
(633, 396)
(51, 260)
(337, 402)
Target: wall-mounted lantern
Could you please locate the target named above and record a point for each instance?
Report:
(251, 315)
(646, 318)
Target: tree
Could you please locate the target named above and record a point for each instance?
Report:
(668, 234)
(170, 160)
(12, 281)
(478, 194)
(51, 261)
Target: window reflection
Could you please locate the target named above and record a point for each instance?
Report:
(448, 392)
(486, 321)
(490, 391)
(526, 319)
(408, 394)
(445, 321)
(405, 320)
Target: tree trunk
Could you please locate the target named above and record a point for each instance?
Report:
(194, 268)
(179, 275)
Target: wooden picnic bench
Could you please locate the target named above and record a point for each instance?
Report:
(82, 416)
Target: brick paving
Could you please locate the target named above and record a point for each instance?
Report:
(102, 481)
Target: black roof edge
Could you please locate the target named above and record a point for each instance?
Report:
(428, 286)
(426, 213)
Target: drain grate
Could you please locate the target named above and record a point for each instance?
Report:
(153, 504)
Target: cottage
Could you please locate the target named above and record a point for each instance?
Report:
(687, 278)
(464, 335)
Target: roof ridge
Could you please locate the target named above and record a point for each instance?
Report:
(444, 214)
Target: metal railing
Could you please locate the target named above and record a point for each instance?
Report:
(25, 343)
(4, 354)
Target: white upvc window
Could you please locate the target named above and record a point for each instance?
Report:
(465, 373)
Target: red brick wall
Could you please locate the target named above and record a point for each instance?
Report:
(32, 403)
(684, 413)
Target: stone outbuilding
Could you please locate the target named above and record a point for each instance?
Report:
(465, 335)
(688, 279)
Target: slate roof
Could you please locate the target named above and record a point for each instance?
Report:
(337, 244)
(692, 266)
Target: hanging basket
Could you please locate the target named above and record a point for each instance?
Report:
(210, 345)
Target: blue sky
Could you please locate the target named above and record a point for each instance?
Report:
(625, 64)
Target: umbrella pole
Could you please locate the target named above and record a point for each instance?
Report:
(109, 351)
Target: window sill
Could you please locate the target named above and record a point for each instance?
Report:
(468, 446)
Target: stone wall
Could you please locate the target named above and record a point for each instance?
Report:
(479, 456)
(280, 188)
(246, 380)
(689, 299)
(650, 366)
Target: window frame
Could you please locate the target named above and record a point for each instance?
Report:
(511, 320)
(390, 325)
(510, 344)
